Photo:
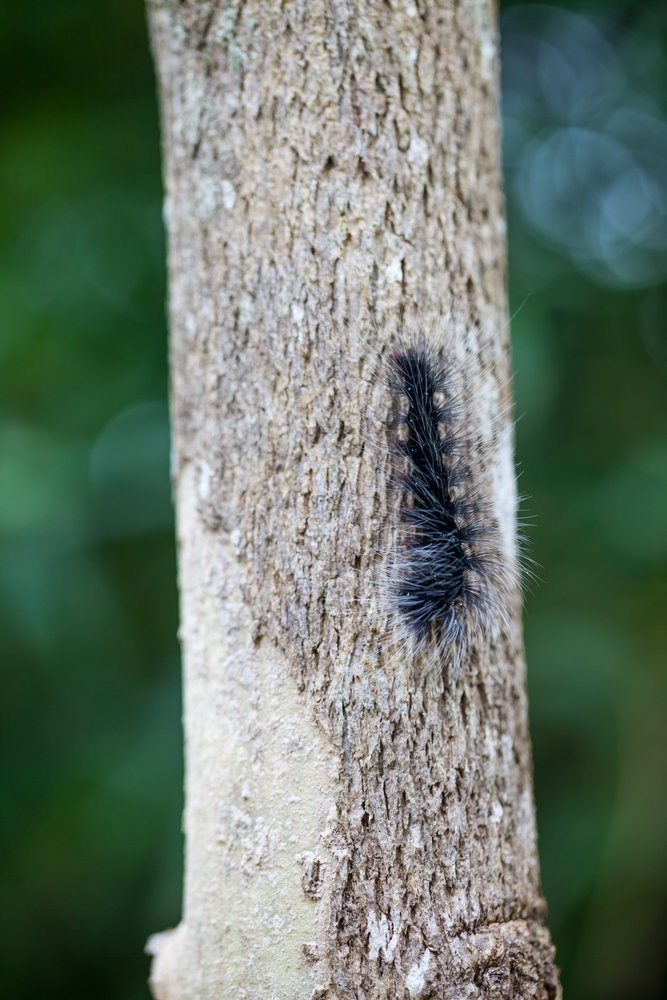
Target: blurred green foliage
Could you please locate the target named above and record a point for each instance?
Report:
(90, 793)
(590, 356)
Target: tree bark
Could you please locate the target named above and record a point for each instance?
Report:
(357, 825)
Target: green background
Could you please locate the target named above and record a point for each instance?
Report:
(90, 793)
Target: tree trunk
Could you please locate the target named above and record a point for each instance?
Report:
(356, 825)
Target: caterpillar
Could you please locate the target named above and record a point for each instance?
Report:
(450, 584)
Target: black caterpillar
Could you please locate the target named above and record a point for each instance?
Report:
(449, 583)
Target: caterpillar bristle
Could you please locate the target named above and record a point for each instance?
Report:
(450, 584)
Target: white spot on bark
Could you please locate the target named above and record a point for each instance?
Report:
(207, 198)
(228, 195)
(416, 978)
(382, 936)
(394, 270)
(297, 313)
(416, 835)
(246, 310)
(418, 152)
(488, 54)
(496, 812)
(204, 481)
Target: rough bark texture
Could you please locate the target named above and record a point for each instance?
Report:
(357, 824)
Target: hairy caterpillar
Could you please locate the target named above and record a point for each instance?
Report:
(450, 584)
